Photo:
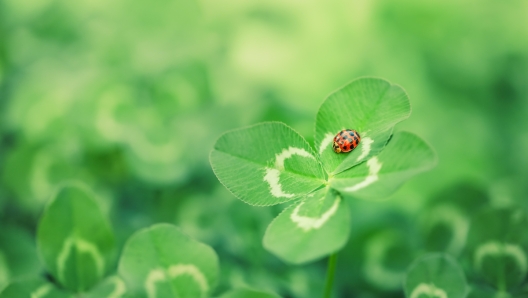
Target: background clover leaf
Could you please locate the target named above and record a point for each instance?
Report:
(313, 227)
(111, 287)
(245, 293)
(498, 247)
(161, 261)
(435, 275)
(74, 238)
(34, 288)
(404, 156)
(372, 107)
(479, 291)
(266, 164)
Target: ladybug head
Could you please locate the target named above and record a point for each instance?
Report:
(336, 147)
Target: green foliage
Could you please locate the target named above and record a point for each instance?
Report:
(370, 106)
(74, 238)
(250, 162)
(18, 255)
(445, 222)
(498, 245)
(34, 288)
(485, 292)
(313, 227)
(404, 156)
(270, 163)
(244, 293)
(111, 287)
(161, 261)
(435, 276)
(130, 97)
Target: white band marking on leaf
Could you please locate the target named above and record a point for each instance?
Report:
(42, 291)
(159, 275)
(308, 223)
(287, 153)
(374, 167)
(428, 289)
(365, 147)
(327, 140)
(82, 246)
(452, 217)
(497, 248)
(154, 276)
(375, 250)
(272, 176)
(120, 287)
(193, 271)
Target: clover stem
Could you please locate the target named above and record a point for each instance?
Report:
(330, 275)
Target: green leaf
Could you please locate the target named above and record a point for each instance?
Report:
(387, 253)
(498, 245)
(74, 238)
(111, 287)
(33, 288)
(485, 292)
(18, 254)
(309, 229)
(4, 271)
(436, 276)
(445, 222)
(161, 261)
(370, 106)
(245, 293)
(266, 164)
(404, 156)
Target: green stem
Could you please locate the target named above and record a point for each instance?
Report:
(330, 275)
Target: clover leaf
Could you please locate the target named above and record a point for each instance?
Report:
(244, 293)
(270, 163)
(498, 247)
(161, 261)
(34, 288)
(313, 226)
(111, 287)
(435, 275)
(370, 106)
(266, 164)
(74, 238)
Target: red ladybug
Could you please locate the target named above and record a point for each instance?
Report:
(346, 141)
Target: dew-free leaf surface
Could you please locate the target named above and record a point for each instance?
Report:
(246, 293)
(404, 156)
(74, 238)
(498, 246)
(490, 292)
(435, 275)
(161, 261)
(372, 107)
(269, 163)
(33, 288)
(266, 164)
(111, 287)
(311, 228)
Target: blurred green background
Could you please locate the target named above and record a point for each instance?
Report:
(129, 97)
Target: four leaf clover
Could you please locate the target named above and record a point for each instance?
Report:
(270, 163)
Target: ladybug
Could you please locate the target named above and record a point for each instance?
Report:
(346, 141)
